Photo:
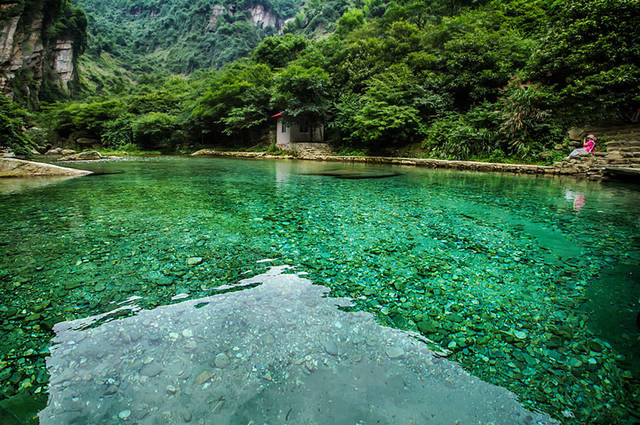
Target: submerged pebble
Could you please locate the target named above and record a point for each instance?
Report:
(221, 360)
(395, 352)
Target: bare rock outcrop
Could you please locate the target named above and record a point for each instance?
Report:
(11, 167)
(260, 16)
(29, 54)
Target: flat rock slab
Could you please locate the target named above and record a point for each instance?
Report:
(356, 173)
(10, 167)
(280, 352)
(623, 172)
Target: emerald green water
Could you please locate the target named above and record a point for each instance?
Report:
(529, 283)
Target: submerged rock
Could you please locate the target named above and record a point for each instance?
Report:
(395, 352)
(221, 360)
(194, 261)
(392, 378)
(357, 173)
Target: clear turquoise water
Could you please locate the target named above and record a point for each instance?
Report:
(529, 283)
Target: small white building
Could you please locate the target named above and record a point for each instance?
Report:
(289, 135)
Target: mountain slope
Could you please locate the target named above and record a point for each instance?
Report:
(180, 36)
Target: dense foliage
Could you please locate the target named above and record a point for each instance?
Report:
(13, 121)
(493, 80)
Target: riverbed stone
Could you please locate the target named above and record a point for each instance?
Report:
(331, 347)
(427, 326)
(204, 377)
(395, 352)
(221, 360)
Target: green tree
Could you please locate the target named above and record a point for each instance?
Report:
(279, 51)
(155, 130)
(236, 104)
(303, 94)
(590, 56)
(393, 109)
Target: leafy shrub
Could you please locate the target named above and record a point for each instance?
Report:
(453, 137)
(13, 121)
(525, 123)
(119, 132)
(155, 130)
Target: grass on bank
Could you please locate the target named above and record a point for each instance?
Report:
(127, 150)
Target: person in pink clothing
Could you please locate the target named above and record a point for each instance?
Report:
(587, 148)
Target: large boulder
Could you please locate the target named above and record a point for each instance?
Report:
(83, 156)
(54, 151)
(10, 167)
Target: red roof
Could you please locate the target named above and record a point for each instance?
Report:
(278, 115)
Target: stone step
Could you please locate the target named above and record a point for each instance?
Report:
(623, 149)
(620, 154)
(629, 149)
(622, 143)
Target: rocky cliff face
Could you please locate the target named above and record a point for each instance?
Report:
(260, 16)
(32, 54)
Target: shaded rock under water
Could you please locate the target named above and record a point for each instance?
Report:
(280, 352)
(357, 173)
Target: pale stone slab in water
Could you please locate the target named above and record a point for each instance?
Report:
(17, 185)
(10, 167)
(288, 355)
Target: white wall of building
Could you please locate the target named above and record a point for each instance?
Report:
(293, 133)
(283, 138)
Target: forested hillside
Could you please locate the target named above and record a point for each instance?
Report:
(181, 36)
(498, 80)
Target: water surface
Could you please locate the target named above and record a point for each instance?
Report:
(528, 283)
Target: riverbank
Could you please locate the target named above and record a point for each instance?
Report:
(610, 164)
(417, 162)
